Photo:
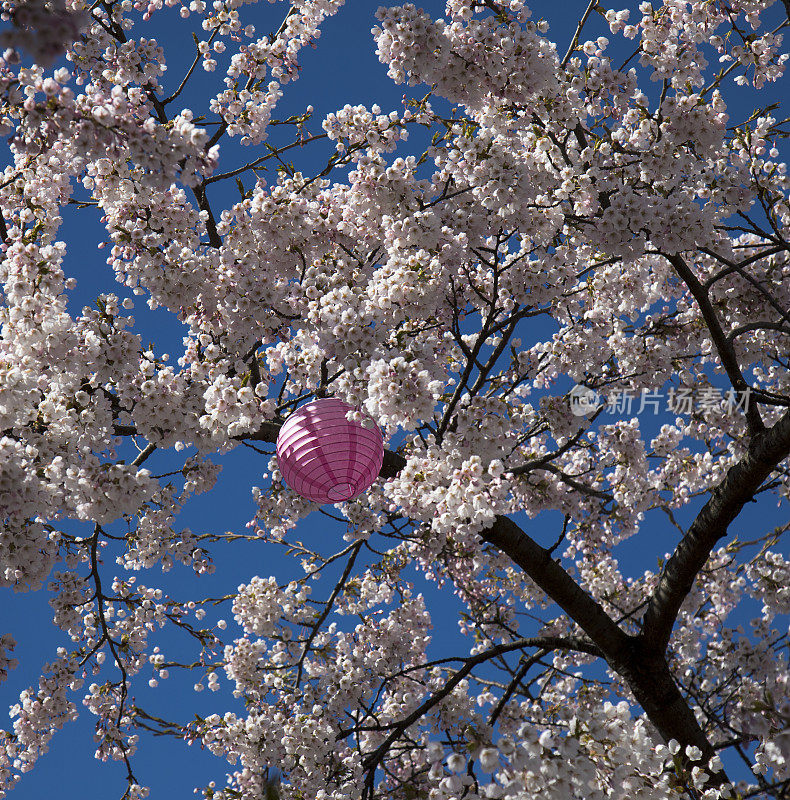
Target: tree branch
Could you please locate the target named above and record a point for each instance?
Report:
(545, 642)
(592, 4)
(355, 548)
(765, 452)
(740, 269)
(756, 326)
(723, 347)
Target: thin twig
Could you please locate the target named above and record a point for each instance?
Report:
(575, 40)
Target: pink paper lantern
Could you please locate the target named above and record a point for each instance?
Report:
(324, 457)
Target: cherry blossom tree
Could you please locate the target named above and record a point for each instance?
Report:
(621, 202)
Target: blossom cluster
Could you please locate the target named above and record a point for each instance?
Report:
(517, 63)
(7, 644)
(42, 28)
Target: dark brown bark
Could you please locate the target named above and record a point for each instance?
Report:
(727, 499)
(724, 346)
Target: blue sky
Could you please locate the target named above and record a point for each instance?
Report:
(343, 69)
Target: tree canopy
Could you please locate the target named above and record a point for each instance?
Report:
(614, 197)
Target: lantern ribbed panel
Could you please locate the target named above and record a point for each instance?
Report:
(324, 457)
